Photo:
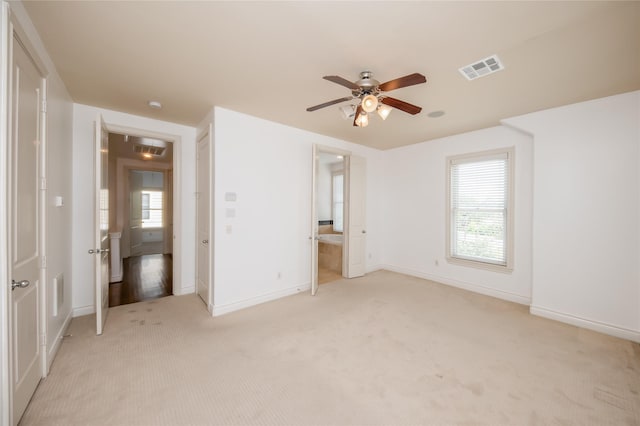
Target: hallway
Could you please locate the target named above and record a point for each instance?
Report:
(145, 277)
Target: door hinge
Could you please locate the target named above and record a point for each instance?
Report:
(43, 261)
(43, 183)
(197, 195)
(43, 340)
(44, 106)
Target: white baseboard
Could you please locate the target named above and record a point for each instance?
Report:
(600, 327)
(184, 290)
(235, 306)
(476, 288)
(83, 310)
(58, 341)
(373, 268)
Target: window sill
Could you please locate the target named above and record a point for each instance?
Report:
(480, 265)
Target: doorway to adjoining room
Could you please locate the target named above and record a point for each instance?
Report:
(330, 214)
(141, 231)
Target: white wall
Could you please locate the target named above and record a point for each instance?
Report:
(268, 166)
(184, 153)
(587, 209)
(415, 215)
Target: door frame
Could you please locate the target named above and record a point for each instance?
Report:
(177, 195)
(317, 149)
(124, 166)
(10, 28)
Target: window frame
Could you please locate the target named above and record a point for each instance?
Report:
(144, 192)
(509, 205)
(333, 202)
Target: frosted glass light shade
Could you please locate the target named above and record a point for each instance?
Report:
(369, 103)
(362, 120)
(384, 111)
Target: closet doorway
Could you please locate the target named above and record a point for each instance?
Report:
(141, 209)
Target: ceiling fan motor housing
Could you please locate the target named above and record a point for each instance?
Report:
(368, 85)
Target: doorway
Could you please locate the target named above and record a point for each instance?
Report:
(339, 243)
(141, 222)
(330, 216)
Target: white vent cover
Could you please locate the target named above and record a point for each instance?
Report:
(146, 149)
(481, 68)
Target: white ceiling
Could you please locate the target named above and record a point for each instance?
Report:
(267, 59)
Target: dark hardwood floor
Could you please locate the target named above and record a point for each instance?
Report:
(144, 277)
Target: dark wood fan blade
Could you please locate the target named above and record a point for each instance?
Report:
(407, 80)
(342, 82)
(333, 102)
(401, 105)
(358, 111)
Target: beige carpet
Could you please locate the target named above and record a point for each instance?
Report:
(384, 349)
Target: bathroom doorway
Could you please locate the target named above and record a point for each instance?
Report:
(347, 226)
(141, 226)
(330, 189)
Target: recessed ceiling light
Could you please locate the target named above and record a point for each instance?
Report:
(154, 104)
(339, 157)
(436, 114)
(147, 155)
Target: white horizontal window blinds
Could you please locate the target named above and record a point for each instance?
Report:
(338, 202)
(152, 206)
(479, 191)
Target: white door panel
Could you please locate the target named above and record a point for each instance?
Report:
(203, 210)
(135, 214)
(314, 221)
(27, 89)
(356, 244)
(101, 224)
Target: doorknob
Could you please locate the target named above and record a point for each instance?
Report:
(205, 241)
(364, 232)
(21, 284)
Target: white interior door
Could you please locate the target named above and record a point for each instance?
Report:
(314, 221)
(203, 184)
(356, 208)
(101, 224)
(27, 93)
(135, 212)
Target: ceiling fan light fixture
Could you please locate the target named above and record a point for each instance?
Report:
(362, 120)
(369, 103)
(384, 111)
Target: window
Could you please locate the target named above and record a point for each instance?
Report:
(337, 203)
(151, 209)
(479, 209)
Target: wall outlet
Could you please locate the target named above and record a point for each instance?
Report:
(436, 262)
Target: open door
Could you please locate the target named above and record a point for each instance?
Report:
(355, 243)
(25, 231)
(203, 218)
(314, 222)
(101, 241)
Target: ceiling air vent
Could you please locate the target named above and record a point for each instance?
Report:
(481, 68)
(144, 149)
